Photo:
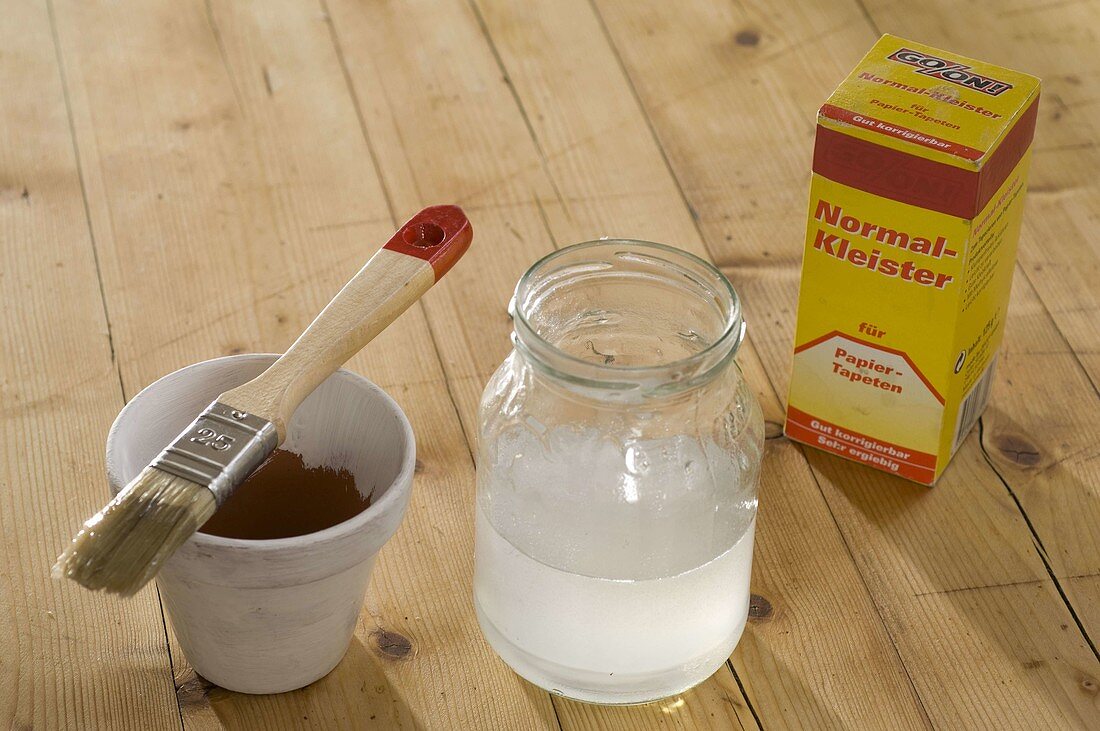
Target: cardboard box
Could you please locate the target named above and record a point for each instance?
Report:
(919, 175)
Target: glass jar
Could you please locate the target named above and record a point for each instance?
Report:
(619, 449)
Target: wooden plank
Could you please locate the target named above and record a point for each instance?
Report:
(1046, 448)
(68, 658)
(268, 202)
(603, 158)
(1085, 593)
(444, 128)
(461, 137)
(926, 555)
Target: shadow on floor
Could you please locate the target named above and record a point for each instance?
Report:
(356, 694)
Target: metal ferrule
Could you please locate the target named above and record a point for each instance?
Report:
(219, 449)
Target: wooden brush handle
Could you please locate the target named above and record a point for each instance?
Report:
(421, 252)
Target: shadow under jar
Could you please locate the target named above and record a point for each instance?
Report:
(619, 451)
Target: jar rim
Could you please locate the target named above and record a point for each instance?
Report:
(610, 375)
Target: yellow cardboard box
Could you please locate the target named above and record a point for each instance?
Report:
(919, 174)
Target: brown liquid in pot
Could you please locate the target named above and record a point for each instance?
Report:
(284, 498)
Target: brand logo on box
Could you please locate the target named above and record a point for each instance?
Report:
(956, 73)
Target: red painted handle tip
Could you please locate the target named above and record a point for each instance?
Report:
(439, 235)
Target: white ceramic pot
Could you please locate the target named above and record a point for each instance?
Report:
(274, 615)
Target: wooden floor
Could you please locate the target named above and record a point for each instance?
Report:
(181, 180)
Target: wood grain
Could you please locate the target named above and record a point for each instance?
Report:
(1045, 448)
(387, 285)
(919, 551)
(473, 119)
(283, 208)
(68, 658)
(600, 152)
(241, 160)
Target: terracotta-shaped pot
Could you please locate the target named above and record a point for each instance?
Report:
(267, 616)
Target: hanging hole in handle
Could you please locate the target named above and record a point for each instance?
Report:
(424, 235)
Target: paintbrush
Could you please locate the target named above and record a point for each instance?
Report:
(122, 547)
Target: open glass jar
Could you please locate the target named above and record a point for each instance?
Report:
(619, 450)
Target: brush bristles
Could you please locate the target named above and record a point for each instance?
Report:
(121, 548)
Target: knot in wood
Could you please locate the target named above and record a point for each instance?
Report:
(747, 37)
(391, 644)
(193, 690)
(760, 609)
(1017, 449)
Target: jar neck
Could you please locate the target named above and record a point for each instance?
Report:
(624, 319)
